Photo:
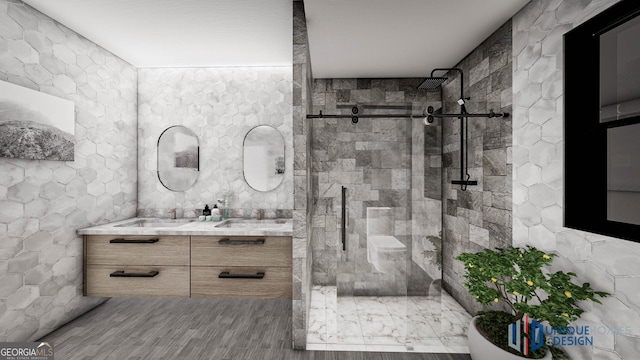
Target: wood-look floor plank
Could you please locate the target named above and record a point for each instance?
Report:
(176, 329)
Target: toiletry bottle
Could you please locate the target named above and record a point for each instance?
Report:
(206, 211)
(215, 211)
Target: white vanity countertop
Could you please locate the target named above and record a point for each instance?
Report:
(229, 227)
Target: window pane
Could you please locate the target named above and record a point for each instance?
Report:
(623, 174)
(620, 72)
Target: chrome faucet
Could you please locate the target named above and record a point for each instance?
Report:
(172, 213)
(258, 214)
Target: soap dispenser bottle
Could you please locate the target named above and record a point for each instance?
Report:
(206, 211)
(215, 211)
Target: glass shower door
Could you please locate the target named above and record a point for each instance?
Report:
(375, 234)
(376, 218)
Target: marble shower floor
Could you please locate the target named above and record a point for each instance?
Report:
(425, 324)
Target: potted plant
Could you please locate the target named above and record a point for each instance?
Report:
(515, 277)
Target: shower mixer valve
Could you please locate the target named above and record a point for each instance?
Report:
(354, 111)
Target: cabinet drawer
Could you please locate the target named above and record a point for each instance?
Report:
(268, 283)
(136, 250)
(133, 281)
(241, 251)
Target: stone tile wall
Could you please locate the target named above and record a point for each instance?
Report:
(303, 188)
(373, 159)
(220, 105)
(43, 203)
(479, 217)
(607, 263)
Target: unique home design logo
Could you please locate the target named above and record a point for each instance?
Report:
(533, 339)
(26, 351)
(528, 335)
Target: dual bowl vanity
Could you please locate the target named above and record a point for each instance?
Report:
(149, 257)
(233, 258)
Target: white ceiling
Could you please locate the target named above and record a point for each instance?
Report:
(398, 38)
(182, 33)
(347, 38)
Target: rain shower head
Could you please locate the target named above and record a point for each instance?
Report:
(431, 83)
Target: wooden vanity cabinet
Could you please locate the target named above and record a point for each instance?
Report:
(133, 266)
(188, 266)
(241, 267)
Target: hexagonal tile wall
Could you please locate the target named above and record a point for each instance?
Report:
(220, 105)
(43, 203)
(608, 264)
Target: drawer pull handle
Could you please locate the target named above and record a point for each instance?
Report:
(227, 275)
(133, 241)
(121, 273)
(227, 241)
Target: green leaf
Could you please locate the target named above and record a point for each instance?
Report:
(512, 268)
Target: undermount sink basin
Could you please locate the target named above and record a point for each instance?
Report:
(156, 223)
(257, 224)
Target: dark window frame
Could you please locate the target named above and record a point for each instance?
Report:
(585, 137)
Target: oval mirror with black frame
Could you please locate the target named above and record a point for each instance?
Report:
(263, 158)
(178, 158)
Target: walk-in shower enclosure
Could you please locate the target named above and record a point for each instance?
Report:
(377, 218)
